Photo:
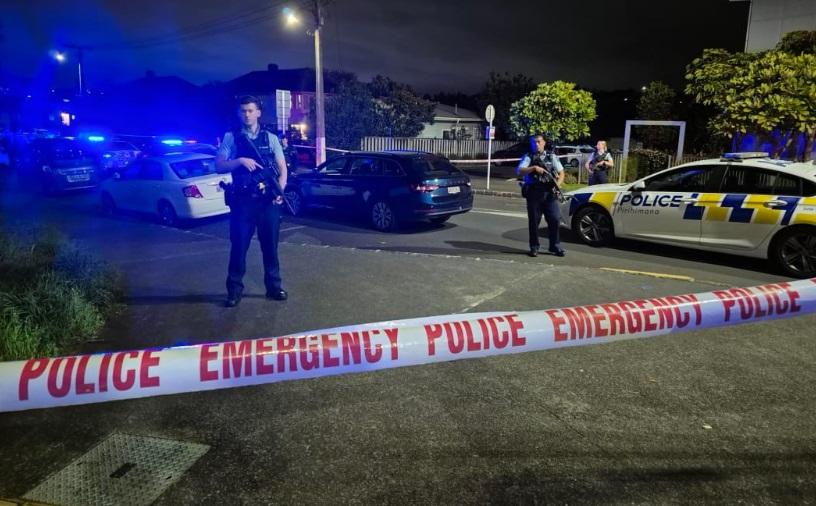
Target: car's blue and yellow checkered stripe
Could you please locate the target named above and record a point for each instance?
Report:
(725, 207)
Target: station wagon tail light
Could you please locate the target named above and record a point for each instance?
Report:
(424, 187)
(191, 192)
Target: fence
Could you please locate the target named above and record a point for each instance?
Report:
(445, 147)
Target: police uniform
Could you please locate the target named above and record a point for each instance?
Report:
(253, 208)
(541, 200)
(599, 173)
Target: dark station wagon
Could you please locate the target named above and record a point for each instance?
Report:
(390, 188)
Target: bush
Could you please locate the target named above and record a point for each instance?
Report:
(53, 297)
(643, 162)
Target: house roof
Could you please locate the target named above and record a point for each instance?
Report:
(448, 112)
(265, 82)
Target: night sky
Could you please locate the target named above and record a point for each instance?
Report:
(432, 45)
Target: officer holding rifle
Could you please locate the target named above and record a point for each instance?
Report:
(254, 156)
(543, 176)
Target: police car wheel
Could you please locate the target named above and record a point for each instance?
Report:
(593, 226)
(383, 217)
(167, 215)
(794, 251)
(296, 201)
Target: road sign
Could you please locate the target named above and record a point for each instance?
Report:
(490, 113)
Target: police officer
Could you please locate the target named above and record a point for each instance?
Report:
(252, 205)
(542, 173)
(598, 164)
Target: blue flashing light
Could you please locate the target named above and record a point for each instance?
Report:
(107, 155)
(172, 142)
(96, 138)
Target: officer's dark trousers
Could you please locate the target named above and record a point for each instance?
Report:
(598, 177)
(245, 216)
(542, 201)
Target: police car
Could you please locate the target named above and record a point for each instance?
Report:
(743, 203)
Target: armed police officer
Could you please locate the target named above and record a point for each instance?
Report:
(543, 176)
(254, 156)
(598, 164)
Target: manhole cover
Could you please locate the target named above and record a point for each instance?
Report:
(121, 470)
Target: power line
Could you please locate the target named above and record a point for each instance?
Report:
(226, 24)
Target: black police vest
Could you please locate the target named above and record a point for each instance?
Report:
(598, 158)
(243, 149)
(542, 160)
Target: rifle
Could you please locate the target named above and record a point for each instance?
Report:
(267, 177)
(546, 177)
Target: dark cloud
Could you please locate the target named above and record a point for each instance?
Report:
(431, 45)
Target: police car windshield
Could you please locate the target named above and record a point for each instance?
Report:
(433, 166)
(194, 168)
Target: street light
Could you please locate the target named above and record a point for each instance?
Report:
(320, 130)
(61, 57)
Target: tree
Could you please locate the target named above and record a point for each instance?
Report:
(401, 112)
(798, 42)
(657, 103)
(350, 115)
(555, 109)
(772, 94)
(502, 90)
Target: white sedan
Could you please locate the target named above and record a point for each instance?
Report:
(173, 187)
(744, 203)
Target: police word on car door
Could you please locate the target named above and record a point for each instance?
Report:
(663, 208)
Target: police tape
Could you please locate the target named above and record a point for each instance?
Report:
(84, 379)
(484, 161)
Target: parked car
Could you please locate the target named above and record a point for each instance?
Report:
(173, 187)
(744, 204)
(116, 154)
(573, 156)
(60, 164)
(390, 187)
(515, 151)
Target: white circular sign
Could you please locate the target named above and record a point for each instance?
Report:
(490, 113)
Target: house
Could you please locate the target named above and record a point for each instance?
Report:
(453, 122)
(292, 91)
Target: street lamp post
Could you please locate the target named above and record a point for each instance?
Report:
(60, 57)
(320, 130)
(320, 136)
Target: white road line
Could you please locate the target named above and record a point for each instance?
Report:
(292, 228)
(496, 212)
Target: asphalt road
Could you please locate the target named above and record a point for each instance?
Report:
(721, 415)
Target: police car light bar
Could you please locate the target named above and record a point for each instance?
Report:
(744, 156)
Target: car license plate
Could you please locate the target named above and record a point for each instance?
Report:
(453, 189)
(77, 178)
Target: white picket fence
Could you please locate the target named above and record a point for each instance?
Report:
(448, 148)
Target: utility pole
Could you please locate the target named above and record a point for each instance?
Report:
(320, 135)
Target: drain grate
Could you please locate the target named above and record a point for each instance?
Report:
(121, 470)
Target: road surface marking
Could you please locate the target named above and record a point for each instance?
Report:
(500, 213)
(652, 274)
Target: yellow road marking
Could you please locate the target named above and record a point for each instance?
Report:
(652, 274)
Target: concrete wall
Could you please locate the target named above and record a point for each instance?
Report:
(771, 19)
